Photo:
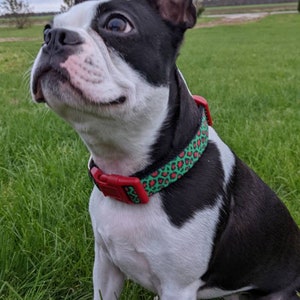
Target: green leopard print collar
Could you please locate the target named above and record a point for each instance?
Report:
(133, 190)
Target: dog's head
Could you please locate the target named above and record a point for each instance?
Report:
(111, 59)
(98, 49)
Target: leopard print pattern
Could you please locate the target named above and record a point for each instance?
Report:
(176, 168)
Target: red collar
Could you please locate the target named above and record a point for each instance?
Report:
(133, 190)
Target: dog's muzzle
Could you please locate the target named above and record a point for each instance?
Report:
(59, 44)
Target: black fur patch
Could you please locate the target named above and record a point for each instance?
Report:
(260, 244)
(150, 48)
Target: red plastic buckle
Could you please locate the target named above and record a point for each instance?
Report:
(203, 102)
(114, 186)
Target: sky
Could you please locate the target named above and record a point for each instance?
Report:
(44, 5)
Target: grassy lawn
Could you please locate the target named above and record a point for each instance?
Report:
(250, 75)
(253, 8)
(30, 32)
(34, 20)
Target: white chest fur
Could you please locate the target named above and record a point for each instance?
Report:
(146, 247)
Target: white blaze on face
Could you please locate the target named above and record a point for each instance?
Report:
(89, 72)
(90, 68)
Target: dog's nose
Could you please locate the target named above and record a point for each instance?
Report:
(57, 40)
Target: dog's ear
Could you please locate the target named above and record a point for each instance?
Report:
(178, 12)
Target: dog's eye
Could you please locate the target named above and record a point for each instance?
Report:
(118, 24)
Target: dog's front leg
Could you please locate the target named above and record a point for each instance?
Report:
(107, 278)
(180, 295)
(172, 291)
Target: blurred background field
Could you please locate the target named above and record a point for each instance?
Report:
(249, 73)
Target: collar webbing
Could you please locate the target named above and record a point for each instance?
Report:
(134, 190)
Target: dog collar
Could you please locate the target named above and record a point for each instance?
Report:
(134, 190)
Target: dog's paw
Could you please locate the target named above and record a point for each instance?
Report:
(156, 298)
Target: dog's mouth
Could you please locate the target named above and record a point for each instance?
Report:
(37, 91)
(38, 94)
(41, 77)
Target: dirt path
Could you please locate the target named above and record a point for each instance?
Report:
(18, 39)
(231, 19)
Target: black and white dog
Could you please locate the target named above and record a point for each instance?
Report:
(173, 208)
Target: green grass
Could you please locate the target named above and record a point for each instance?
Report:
(29, 32)
(250, 75)
(33, 20)
(290, 6)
